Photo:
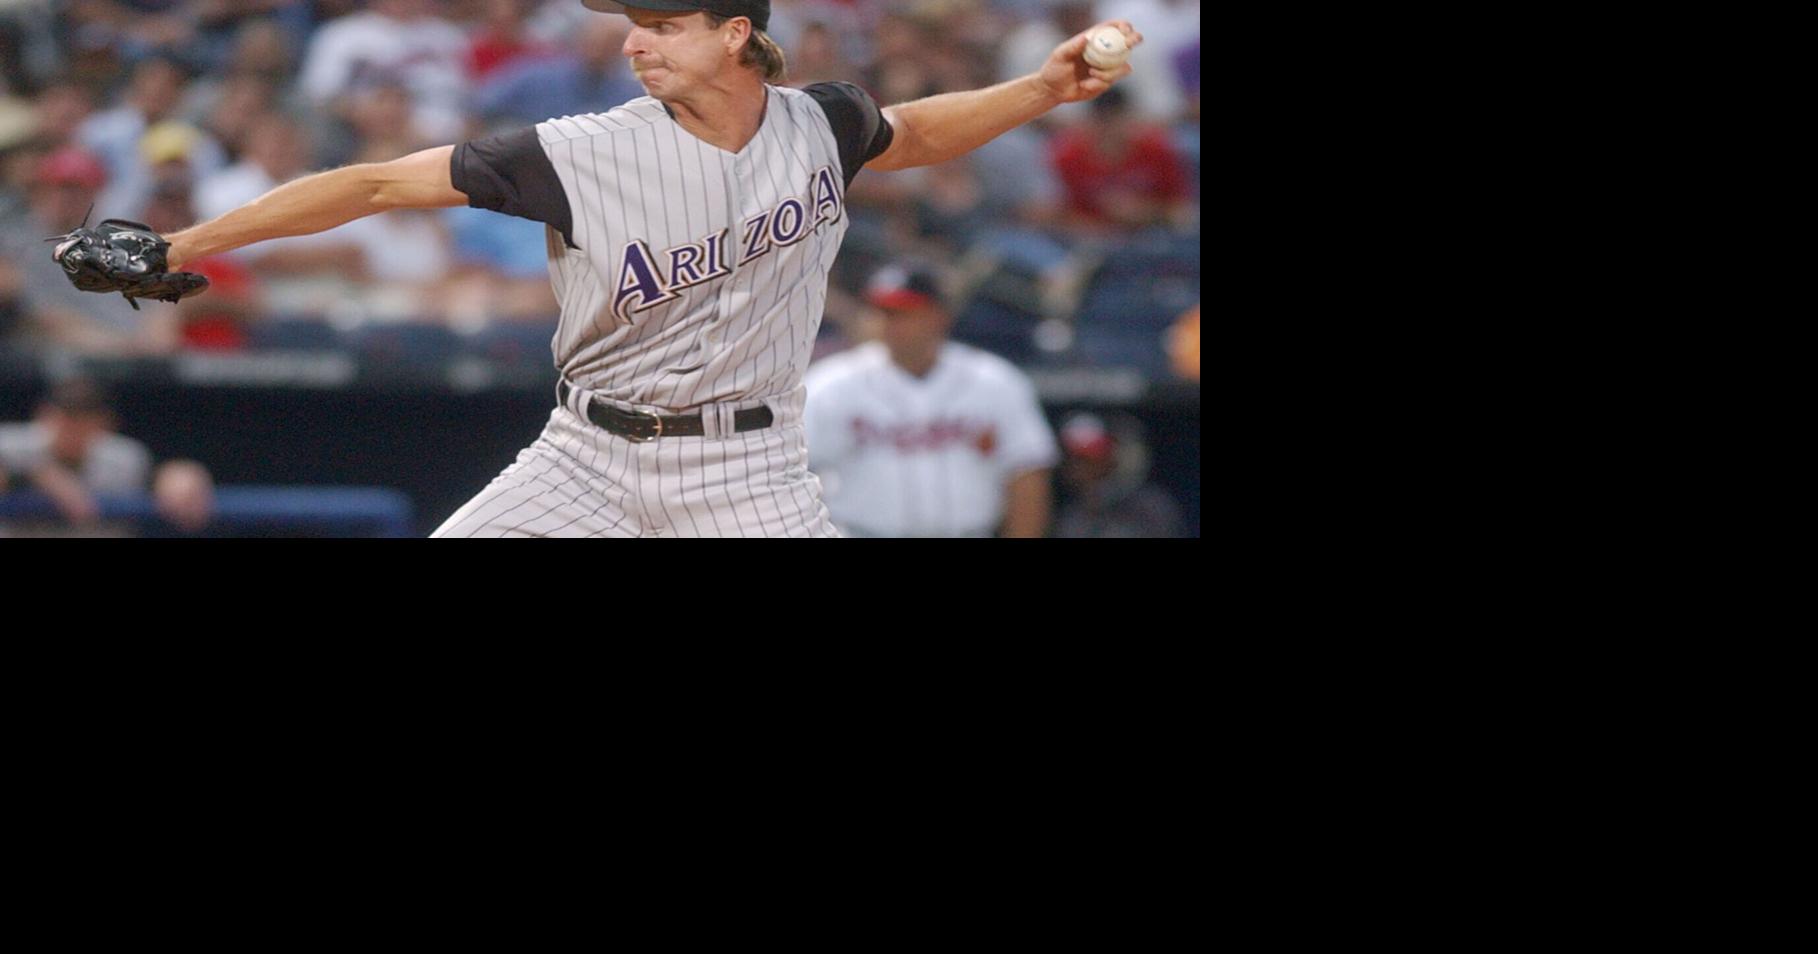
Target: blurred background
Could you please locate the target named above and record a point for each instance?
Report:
(370, 379)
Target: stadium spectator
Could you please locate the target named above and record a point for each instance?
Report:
(29, 52)
(384, 123)
(12, 305)
(1021, 203)
(500, 272)
(117, 135)
(1183, 345)
(275, 155)
(1104, 475)
(18, 159)
(504, 38)
(1186, 130)
(389, 262)
(407, 253)
(136, 28)
(1121, 172)
(72, 453)
(1028, 44)
(213, 322)
(56, 315)
(185, 495)
(256, 78)
(166, 153)
(591, 78)
(228, 109)
(818, 58)
(393, 41)
(950, 209)
(222, 27)
(18, 149)
(62, 107)
(557, 22)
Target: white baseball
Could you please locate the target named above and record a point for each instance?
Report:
(1107, 49)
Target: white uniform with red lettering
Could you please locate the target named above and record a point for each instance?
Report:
(902, 456)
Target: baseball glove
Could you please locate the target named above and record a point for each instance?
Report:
(126, 257)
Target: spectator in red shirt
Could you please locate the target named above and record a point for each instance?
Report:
(503, 39)
(212, 322)
(1120, 172)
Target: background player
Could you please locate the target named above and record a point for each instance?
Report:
(913, 435)
(690, 235)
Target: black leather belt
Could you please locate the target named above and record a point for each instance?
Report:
(639, 427)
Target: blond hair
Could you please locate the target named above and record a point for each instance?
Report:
(760, 52)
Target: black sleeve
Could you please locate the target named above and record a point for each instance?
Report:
(859, 125)
(511, 173)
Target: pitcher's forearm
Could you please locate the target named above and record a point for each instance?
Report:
(950, 125)
(303, 206)
(323, 201)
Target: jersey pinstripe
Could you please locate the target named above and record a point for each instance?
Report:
(700, 274)
(691, 280)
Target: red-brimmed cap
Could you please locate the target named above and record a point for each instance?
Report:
(900, 287)
(1085, 435)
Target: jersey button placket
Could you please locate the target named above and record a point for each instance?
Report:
(735, 201)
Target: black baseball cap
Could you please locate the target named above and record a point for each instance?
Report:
(758, 13)
(898, 287)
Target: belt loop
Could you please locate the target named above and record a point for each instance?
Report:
(727, 415)
(578, 400)
(713, 426)
(786, 409)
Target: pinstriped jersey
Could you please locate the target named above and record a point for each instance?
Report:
(687, 275)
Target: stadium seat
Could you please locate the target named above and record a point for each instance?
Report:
(518, 344)
(292, 334)
(1150, 305)
(1112, 347)
(1153, 256)
(998, 328)
(408, 343)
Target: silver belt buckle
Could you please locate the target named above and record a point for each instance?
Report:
(635, 439)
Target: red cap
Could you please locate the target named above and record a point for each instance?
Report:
(1084, 435)
(896, 286)
(72, 166)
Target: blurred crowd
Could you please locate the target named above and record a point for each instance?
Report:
(1075, 237)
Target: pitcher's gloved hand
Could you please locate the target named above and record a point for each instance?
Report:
(126, 257)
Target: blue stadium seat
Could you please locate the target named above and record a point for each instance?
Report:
(292, 334)
(515, 343)
(1149, 305)
(1153, 256)
(1111, 347)
(1133, 299)
(407, 343)
(998, 328)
